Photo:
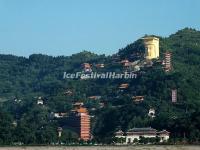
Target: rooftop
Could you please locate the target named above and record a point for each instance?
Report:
(142, 129)
(149, 38)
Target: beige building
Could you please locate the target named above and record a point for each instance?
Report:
(151, 47)
(135, 134)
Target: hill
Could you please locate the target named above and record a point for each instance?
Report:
(23, 80)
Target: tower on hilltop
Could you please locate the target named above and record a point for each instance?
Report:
(151, 47)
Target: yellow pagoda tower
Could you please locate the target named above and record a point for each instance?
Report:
(151, 47)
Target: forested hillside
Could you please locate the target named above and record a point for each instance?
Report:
(23, 80)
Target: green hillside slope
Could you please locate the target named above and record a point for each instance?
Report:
(22, 80)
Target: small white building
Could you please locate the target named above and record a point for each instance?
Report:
(163, 135)
(100, 65)
(60, 115)
(87, 67)
(136, 133)
(17, 100)
(151, 113)
(40, 101)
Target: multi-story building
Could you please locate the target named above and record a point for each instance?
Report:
(151, 47)
(167, 61)
(79, 120)
(174, 95)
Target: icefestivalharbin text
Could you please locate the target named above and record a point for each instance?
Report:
(95, 75)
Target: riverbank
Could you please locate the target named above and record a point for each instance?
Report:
(164, 147)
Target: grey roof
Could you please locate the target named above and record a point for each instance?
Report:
(142, 129)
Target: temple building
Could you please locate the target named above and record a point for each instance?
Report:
(87, 67)
(167, 61)
(138, 98)
(124, 86)
(100, 65)
(136, 134)
(151, 47)
(174, 95)
(79, 120)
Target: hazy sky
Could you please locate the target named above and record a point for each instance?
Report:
(64, 27)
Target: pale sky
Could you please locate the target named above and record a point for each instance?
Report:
(65, 27)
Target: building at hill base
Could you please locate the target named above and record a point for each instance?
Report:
(137, 134)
